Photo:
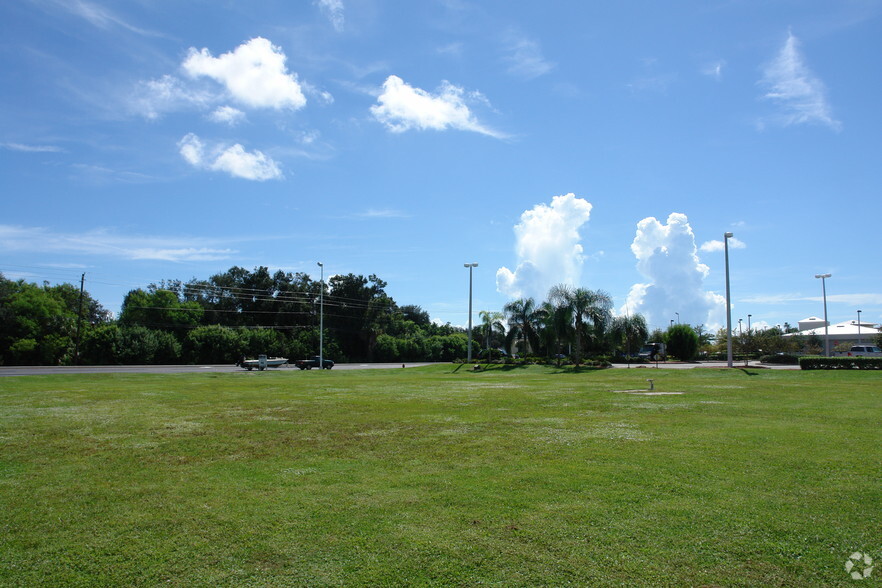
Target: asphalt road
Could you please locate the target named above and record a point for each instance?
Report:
(176, 369)
(193, 369)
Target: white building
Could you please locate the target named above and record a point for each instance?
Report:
(850, 332)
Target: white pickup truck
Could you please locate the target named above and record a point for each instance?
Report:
(862, 351)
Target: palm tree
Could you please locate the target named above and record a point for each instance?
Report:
(629, 331)
(491, 324)
(591, 309)
(557, 327)
(523, 318)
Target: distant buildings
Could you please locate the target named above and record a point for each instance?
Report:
(847, 332)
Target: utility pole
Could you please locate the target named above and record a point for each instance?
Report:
(79, 321)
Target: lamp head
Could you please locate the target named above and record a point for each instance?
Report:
(727, 235)
(822, 275)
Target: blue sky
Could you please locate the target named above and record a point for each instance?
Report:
(608, 145)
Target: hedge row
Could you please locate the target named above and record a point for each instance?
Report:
(783, 359)
(840, 363)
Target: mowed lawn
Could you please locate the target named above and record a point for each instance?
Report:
(440, 476)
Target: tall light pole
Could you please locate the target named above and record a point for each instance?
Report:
(322, 318)
(678, 317)
(471, 266)
(859, 328)
(726, 237)
(823, 278)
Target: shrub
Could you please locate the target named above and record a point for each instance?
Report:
(840, 363)
(781, 358)
(213, 344)
(682, 342)
(135, 345)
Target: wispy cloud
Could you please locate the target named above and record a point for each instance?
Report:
(402, 107)
(382, 213)
(31, 148)
(101, 17)
(715, 245)
(227, 115)
(103, 242)
(851, 299)
(154, 98)
(791, 85)
(714, 69)
(524, 57)
(233, 160)
(334, 11)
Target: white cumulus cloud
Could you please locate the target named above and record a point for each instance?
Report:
(667, 257)
(254, 73)
(233, 160)
(792, 85)
(548, 246)
(402, 107)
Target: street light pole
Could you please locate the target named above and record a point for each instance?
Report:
(678, 317)
(322, 318)
(471, 266)
(726, 237)
(823, 278)
(859, 328)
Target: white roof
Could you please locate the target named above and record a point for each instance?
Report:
(848, 329)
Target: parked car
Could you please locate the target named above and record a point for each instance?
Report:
(653, 352)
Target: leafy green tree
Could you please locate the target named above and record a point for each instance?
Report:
(356, 310)
(262, 341)
(36, 326)
(213, 344)
(136, 345)
(98, 344)
(415, 314)
(447, 347)
(682, 342)
(159, 309)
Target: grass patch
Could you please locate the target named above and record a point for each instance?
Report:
(439, 476)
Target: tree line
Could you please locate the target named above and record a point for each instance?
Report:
(232, 314)
(243, 312)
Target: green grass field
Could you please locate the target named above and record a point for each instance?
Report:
(440, 476)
